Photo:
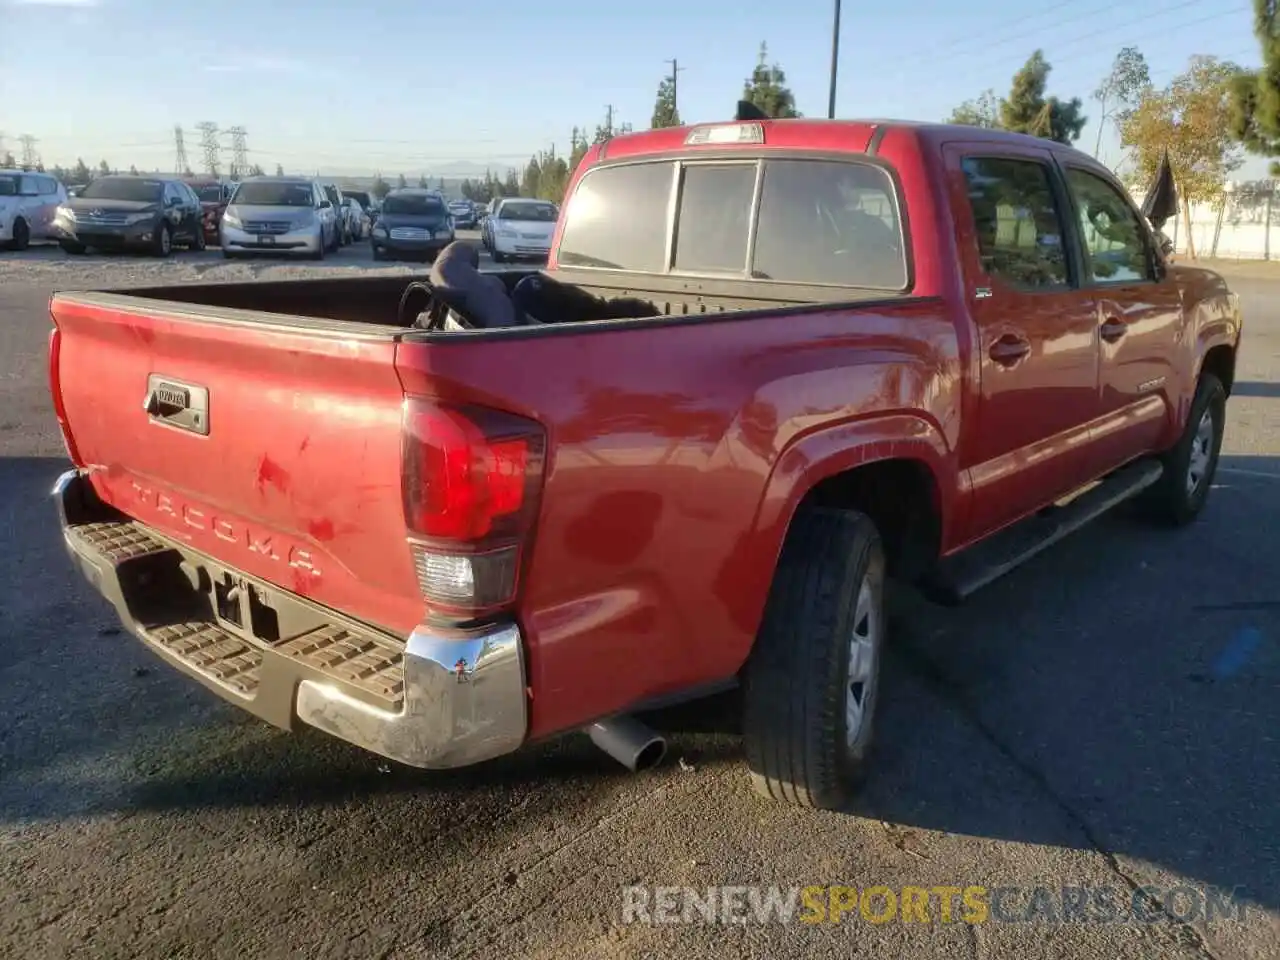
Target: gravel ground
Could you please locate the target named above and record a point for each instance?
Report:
(1104, 717)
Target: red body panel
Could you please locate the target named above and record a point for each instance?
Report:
(676, 453)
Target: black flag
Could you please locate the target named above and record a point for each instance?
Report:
(1162, 199)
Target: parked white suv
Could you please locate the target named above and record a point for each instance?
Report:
(28, 202)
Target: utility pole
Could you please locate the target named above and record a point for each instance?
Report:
(675, 84)
(835, 62)
(608, 119)
(29, 157)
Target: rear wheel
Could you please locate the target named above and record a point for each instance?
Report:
(198, 242)
(1180, 494)
(498, 256)
(811, 683)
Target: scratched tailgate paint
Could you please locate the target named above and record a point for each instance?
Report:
(298, 481)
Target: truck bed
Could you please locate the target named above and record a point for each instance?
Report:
(374, 300)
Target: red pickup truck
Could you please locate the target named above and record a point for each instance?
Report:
(828, 353)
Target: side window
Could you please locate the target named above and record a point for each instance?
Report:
(170, 192)
(29, 187)
(830, 222)
(1114, 239)
(635, 194)
(715, 217)
(1018, 223)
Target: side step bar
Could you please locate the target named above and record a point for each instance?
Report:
(959, 576)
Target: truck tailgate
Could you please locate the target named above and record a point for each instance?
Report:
(291, 474)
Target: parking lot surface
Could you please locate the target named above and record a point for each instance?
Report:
(1105, 717)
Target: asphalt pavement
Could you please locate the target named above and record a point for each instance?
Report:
(1104, 718)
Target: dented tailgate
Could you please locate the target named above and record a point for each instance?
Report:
(272, 446)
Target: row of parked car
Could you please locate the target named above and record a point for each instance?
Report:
(301, 216)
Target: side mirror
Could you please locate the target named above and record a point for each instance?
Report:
(326, 205)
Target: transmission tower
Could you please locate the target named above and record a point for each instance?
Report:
(209, 145)
(181, 165)
(239, 152)
(29, 156)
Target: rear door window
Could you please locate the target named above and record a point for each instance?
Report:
(714, 222)
(617, 219)
(829, 222)
(1017, 220)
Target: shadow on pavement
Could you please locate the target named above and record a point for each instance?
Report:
(1117, 694)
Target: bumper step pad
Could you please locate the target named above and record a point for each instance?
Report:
(360, 661)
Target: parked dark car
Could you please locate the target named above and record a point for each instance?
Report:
(413, 223)
(131, 212)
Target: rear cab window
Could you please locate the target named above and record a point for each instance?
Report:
(773, 219)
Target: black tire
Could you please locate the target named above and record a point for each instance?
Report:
(498, 257)
(73, 248)
(21, 235)
(796, 683)
(319, 252)
(1182, 490)
(198, 242)
(162, 245)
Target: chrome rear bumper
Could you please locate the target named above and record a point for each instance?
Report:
(440, 699)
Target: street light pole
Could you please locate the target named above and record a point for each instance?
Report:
(835, 62)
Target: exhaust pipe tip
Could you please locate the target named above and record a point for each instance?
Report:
(634, 745)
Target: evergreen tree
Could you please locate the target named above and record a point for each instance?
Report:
(532, 175)
(578, 147)
(401, 182)
(1027, 110)
(1255, 94)
(380, 187)
(767, 88)
(279, 170)
(511, 186)
(133, 170)
(8, 161)
(81, 172)
(104, 170)
(665, 113)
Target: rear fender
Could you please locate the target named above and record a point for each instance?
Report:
(814, 457)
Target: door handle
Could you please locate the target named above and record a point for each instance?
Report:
(1009, 349)
(1113, 330)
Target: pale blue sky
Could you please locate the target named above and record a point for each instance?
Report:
(425, 86)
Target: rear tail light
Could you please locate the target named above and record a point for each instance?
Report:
(55, 389)
(471, 484)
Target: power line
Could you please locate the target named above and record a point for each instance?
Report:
(209, 145)
(989, 44)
